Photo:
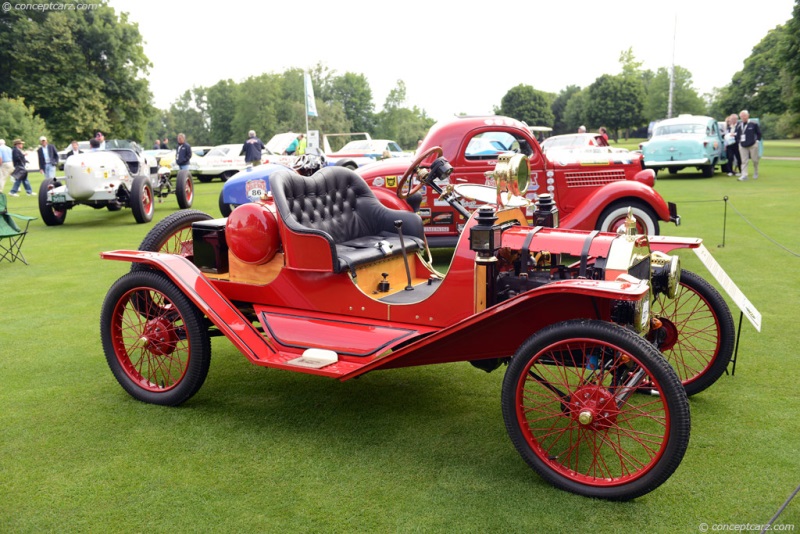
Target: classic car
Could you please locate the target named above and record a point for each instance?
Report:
(362, 151)
(119, 176)
(323, 279)
(593, 143)
(685, 141)
(593, 191)
(222, 161)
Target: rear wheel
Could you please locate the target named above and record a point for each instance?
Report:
(204, 179)
(154, 339)
(613, 217)
(225, 175)
(184, 189)
(142, 200)
(570, 411)
(172, 235)
(708, 171)
(699, 332)
(51, 215)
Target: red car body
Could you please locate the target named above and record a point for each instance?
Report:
(592, 191)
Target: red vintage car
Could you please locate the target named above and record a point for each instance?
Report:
(321, 278)
(592, 190)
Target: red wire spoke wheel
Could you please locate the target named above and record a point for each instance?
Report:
(154, 338)
(570, 408)
(700, 334)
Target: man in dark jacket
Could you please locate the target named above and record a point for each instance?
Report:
(748, 134)
(20, 175)
(183, 153)
(252, 149)
(48, 158)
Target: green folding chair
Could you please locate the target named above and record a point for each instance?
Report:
(11, 235)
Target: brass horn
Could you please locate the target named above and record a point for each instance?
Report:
(512, 176)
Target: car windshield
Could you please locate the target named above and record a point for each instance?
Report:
(219, 151)
(681, 128)
(112, 144)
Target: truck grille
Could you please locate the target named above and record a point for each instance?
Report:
(593, 179)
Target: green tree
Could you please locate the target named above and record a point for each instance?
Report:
(220, 108)
(761, 85)
(616, 102)
(187, 117)
(401, 124)
(575, 110)
(789, 52)
(355, 95)
(684, 97)
(19, 120)
(559, 108)
(82, 70)
(527, 104)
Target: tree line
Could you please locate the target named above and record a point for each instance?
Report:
(66, 74)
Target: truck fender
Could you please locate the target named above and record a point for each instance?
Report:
(585, 215)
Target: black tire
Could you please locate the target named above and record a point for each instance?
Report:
(113, 206)
(708, 171)
(171, 235)
(161, 354)
(614, 216)
(225, 175)
(184, 189)
(700, 333)
(204, 179)
(142, 203)
(50, 215)
(224, 208)
(348, 164)
(570, 411)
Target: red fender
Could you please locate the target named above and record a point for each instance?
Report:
(389, 198)
(586, 214)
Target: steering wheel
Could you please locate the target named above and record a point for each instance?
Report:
(413, 171)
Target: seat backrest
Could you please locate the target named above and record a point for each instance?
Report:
(335, 202)
(3, 204)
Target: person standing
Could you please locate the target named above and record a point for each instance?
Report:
(74, 150)
(292, 148)
(252, 149)
(748, 134)
(157, 145)
(20, 174)
(301, 145)
(183, 153)
(732, 145)
(602, 131)
(165, 144)
(101, 140)
(6, 164)
(48, 158)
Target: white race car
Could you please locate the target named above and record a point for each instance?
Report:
(120, 175)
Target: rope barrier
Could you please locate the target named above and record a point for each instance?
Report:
(740, 214)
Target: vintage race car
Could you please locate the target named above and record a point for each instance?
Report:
(321, 278)
(592, 191)
(685, 141)
(119, 176)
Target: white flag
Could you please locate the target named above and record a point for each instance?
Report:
(311, 104)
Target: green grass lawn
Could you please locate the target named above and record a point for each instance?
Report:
(420, 449)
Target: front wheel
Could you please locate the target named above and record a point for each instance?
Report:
(699, 332)
(569, 406)
(708, 171)
(142, 200)
(154, 338)
(184, 189)
(613, 217)
(51, 215)
(224, 208)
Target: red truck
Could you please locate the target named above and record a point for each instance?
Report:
(593, 191)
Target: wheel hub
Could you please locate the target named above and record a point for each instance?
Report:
(593, 407)
(159, 336)
(671, 334)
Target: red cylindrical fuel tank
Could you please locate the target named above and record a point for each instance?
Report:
(252, 234)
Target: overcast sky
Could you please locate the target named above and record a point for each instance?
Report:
(454, 57)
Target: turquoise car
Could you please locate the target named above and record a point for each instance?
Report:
(685, 141)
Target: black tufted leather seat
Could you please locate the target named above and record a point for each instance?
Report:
(336, 204)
